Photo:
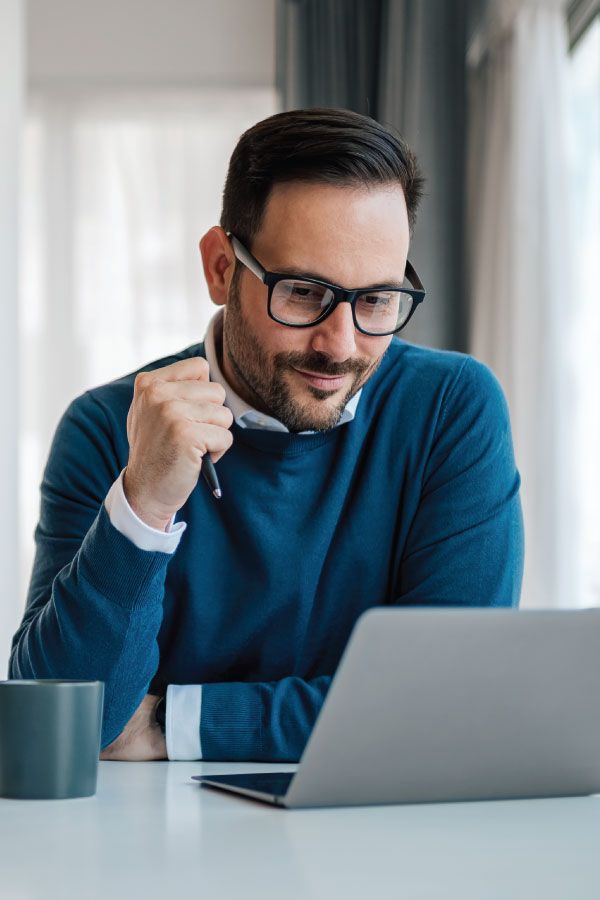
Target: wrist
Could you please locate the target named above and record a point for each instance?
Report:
(158, 520)
(160, 714)
(158, 744)
(156, 735)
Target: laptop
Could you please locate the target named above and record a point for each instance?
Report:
(442, 705)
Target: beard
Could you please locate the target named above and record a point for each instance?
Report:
(264, 381)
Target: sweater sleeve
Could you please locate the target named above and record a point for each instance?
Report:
(465, 544)
(94, 605)
(267, 721)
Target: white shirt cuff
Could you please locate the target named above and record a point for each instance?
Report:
(143, 536)
(182, 721)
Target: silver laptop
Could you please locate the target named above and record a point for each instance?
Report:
(437, 705)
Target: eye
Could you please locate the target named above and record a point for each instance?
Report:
(376, 299)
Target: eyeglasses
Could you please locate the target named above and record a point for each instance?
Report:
(301, 302)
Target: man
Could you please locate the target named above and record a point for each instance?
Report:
(356, 469)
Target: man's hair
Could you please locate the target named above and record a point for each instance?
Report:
(329, 146)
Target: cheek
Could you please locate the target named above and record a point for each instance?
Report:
(371, 349)
(278, 338)
(258, 327)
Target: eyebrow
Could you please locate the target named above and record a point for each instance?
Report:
(288, 270)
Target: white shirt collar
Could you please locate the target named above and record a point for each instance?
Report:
(244, 415)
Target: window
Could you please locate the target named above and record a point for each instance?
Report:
(584, 84)
(117, 192)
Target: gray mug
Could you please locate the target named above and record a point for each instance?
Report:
(50, 733)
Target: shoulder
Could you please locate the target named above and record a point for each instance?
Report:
(436, 392)
(447, 373)
(428, 364)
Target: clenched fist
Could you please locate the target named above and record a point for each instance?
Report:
(176, 417)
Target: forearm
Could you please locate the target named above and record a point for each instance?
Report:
(267, 721)
(99, 620)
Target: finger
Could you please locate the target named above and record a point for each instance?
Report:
(156, 392)
(211, 439)
(193, 369)
(193, 391)
(215, 457)
(201, 412)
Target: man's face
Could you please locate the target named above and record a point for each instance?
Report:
(352, 237)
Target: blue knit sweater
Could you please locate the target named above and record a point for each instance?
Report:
(414, 502)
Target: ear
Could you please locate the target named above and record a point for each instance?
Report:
(218, 261)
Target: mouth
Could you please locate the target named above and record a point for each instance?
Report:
(323, 382)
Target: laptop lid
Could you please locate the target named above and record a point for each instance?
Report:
(452, 704)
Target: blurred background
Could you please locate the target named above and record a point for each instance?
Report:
(117, 120)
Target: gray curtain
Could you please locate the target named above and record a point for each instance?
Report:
(329, 53)
(403, 63)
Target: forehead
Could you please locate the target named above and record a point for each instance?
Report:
(348, 235)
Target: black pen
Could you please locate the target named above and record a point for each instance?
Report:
(210, 477)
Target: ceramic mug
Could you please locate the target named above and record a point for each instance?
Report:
(50, 733)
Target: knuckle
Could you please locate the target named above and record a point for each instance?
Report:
(217, 393)
(141, 381)
(178, 430)
(218, 415)
(166, 410)
(202, 413)
(202, 367)
(153, 391)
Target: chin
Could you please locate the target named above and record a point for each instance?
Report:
(311, 409)
(321, 395)
(309, 419)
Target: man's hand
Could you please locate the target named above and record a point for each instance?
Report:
(176, 417)
(141, 739)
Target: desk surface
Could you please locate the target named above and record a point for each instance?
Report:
(151, 833)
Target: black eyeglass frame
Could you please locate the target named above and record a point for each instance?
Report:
(340, 294)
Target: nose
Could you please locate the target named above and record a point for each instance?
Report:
(336, 336)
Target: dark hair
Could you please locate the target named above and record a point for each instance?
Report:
(333, 146)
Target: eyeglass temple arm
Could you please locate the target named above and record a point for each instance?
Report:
(246, 258)
(412, 276)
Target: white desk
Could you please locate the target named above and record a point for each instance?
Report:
(151, 833)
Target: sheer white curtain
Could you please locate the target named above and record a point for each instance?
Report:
(520, 276)
(117, 192)
(584, 159)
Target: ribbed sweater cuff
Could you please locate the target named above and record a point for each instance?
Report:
(231, 723)
(118, 569)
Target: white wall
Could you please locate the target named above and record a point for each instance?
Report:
(11, 109)
(130, 43)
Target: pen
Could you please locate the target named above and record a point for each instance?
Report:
(210, 477)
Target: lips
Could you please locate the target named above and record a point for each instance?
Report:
(323, 382)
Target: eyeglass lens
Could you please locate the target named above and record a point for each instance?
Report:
(297, 302)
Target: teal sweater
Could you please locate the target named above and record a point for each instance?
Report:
(414, 502)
